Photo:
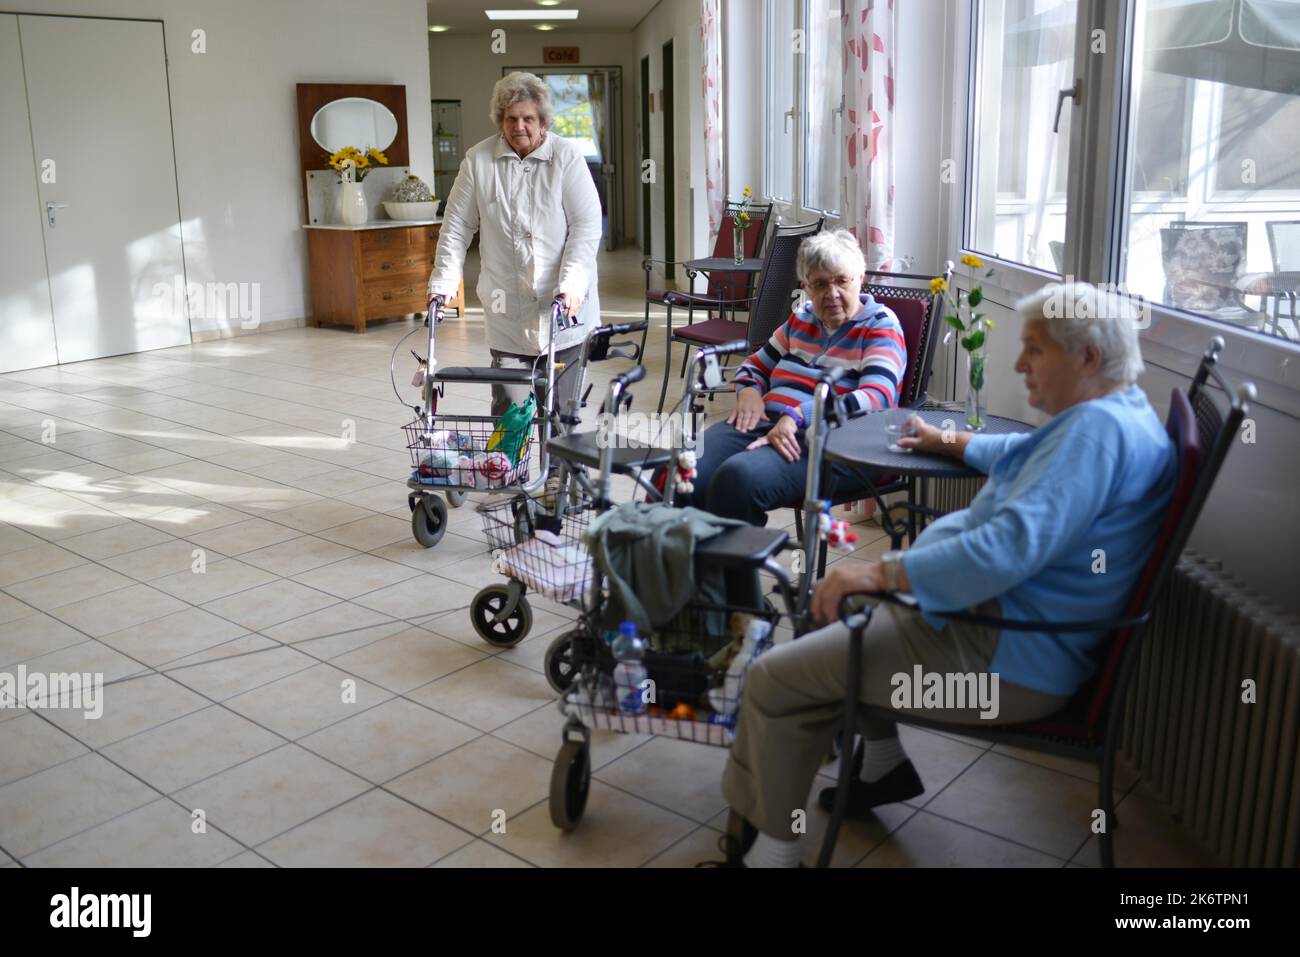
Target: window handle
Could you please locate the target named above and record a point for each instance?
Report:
(789, 115)
(1075, 93)
(837, 114)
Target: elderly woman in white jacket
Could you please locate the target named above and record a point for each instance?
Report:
(529, 195)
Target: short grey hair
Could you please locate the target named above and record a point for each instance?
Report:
(832, 250)
(1078, 315)
(516, 88)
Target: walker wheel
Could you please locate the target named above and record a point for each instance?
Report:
(429, 520)
(570, 784)
(509, 631)
(456, 498)
(525, 512)
(560, 666)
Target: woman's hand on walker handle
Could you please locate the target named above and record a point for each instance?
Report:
(572, 303)
(936, 441)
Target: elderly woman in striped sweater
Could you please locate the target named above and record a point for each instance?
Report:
(757, 459)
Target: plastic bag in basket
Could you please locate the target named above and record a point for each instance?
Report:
(512, 430)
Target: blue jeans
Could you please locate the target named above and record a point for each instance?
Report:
(734, 483)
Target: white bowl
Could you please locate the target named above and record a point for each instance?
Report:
(411, 210)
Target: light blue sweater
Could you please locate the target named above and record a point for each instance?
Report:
(1090, 486)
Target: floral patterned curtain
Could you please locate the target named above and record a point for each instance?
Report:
(711, 53)
(871, 43)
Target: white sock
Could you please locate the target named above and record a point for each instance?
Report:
(769, 852)
(881, 756)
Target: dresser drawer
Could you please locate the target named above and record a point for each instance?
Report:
(421, 237)
(387, 239)
(382, 263)
(397, 296)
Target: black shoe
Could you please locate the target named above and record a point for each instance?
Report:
(734, 846)
(898, 785)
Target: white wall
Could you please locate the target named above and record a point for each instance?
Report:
(742, 96)
(920, 95)
(234, 121)
(464, 67)
(679, 21)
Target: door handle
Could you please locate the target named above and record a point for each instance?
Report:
(51, 207)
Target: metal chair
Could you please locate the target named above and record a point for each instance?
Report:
(1284, 281)
(1088, 728)
(767, 310)
(725, 289)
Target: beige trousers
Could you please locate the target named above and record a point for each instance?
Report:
(793, 703)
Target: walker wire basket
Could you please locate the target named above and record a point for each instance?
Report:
(693, 682)
(544, 552)
(473, 452)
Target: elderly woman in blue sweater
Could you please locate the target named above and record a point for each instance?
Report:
(757, 459)
(1094, 480)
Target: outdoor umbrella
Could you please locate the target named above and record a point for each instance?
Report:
(1248, 43)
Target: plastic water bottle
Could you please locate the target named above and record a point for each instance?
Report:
(629, 673)
(726, 700)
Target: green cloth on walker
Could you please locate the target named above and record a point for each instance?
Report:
(646, 553)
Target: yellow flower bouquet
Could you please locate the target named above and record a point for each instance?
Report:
(973, 327)
(361, 163)
(739, 223)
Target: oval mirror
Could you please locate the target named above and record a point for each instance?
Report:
(353, 121)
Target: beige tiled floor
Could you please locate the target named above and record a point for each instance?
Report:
(281, 656)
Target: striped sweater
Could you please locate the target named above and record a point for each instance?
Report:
(869, 346)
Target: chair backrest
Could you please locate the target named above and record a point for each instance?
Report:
(919, 312)
(1284, 245)
(736, 286)
(778, 281)
(1202, 435)
(1202, 262)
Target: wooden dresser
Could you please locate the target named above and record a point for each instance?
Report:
(374, 271)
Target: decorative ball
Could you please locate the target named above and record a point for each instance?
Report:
(412, 189)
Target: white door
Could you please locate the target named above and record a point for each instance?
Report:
(97, 94)
(26, 322)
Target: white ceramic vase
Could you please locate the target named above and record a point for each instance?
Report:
(353, 210)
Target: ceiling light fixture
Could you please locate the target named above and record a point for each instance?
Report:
(439, 29)
(548, 3)
(531, 14)
(544, 26)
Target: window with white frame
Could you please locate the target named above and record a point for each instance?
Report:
(1214, 95)
(803, 105)
(1205, 216)
(1019, 156)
